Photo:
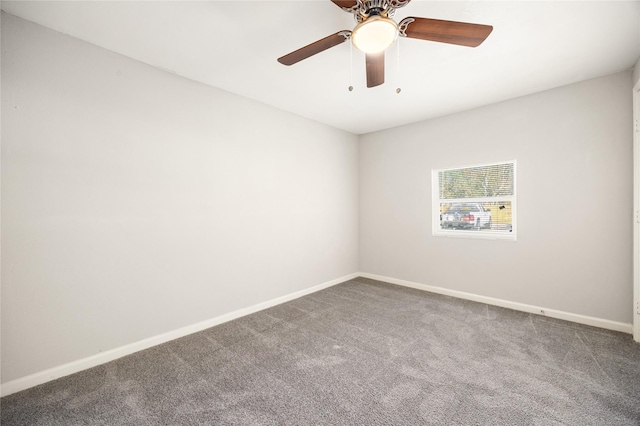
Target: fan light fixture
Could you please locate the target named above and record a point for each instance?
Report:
(376, 31)
(375, 34)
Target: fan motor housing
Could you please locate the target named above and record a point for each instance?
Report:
(387, 8)
(367, 8)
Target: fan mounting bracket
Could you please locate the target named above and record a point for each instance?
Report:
(402, 26)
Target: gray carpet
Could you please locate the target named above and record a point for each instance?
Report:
(359, 353)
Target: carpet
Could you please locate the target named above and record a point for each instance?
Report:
(359, 353)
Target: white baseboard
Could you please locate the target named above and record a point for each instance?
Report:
(45, 376)
(568, 316)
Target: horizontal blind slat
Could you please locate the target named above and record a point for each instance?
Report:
(494, 180)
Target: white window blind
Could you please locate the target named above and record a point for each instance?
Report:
(475, 201)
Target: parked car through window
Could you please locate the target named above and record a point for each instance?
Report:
(466, 216)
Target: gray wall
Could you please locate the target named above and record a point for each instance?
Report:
(573, 147)
(636, 72)
(135, 202)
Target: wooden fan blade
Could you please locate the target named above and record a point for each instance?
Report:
(375, 69)
(315, 47)
(345, 5)
(460, 33)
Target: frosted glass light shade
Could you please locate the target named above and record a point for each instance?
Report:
(375, 34)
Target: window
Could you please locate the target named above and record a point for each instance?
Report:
(476, 201)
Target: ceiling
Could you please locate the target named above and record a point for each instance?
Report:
(233, 45)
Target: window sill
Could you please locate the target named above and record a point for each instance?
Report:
(481, 235)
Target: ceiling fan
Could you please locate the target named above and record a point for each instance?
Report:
(376, 30)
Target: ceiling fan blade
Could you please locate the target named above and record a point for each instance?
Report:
(346, 5)
(460, 33)
(315, 47)
(375, 69)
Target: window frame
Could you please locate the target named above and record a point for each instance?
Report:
(437, 231)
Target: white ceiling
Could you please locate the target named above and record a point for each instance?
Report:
(233, 45)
